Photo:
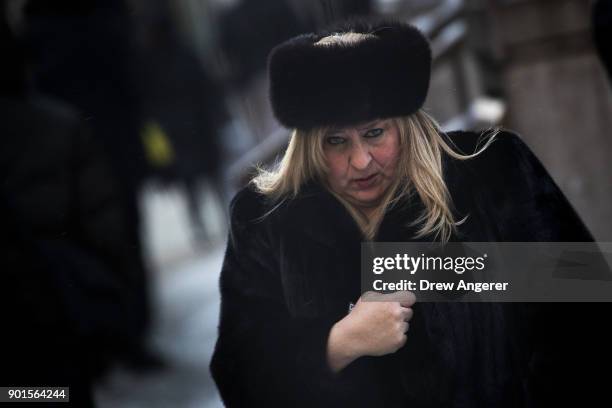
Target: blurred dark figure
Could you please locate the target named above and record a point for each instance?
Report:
(325, 12)
(602, 31)
(81, 52)
(182, 104)
(70, 276)
(250, 29)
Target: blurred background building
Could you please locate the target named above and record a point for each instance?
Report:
(174, 96)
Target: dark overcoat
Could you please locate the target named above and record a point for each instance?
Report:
(291, 273)
(70, 276)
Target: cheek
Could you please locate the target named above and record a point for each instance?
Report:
(337, 168)
(387, 156)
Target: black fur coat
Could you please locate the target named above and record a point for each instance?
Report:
(289, 276)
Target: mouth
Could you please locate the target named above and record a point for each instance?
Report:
(371, 176)
(366, 182)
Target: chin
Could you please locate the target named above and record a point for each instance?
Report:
(369, 199)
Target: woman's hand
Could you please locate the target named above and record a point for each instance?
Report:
(376, 326)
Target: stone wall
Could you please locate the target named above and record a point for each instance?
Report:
(559, 98)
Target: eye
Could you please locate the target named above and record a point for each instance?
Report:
(374, 132)
(335, 140)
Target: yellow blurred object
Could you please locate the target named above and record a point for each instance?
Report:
(157, 146)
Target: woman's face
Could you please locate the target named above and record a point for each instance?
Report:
(362, 161)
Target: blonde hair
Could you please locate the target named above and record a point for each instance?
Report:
(348, 38)
(419, 170)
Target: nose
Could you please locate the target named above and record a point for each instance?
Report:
(360, 156)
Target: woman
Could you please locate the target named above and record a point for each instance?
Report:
(366, 163)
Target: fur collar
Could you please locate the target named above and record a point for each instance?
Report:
(316, 214)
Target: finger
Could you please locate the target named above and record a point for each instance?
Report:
(406, 298)
(402, 342)
(407, 314)
(404, 327)
(371, 296)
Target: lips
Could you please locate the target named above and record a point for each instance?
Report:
(366, 178)
(366, 182)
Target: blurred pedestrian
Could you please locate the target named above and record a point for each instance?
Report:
(602, 32)
(70, 275)
(82, 53)
(185, 111)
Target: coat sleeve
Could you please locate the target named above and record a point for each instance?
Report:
(263, 355)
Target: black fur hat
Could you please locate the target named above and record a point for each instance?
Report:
(340, 84)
